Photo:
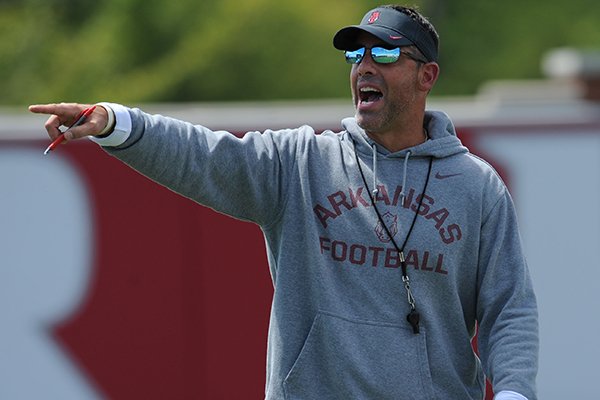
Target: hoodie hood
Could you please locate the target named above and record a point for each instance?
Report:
(442, 142)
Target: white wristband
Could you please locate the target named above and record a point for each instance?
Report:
(111, 120)
(122, 126)
(509, 395)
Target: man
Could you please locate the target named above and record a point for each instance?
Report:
(388, 242)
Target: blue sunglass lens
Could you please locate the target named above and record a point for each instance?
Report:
(380, 55)
(354, 56)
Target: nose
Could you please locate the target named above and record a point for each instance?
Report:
(366, 65)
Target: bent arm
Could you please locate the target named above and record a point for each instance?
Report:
(506, 307)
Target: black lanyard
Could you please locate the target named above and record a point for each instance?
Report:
(413, 316)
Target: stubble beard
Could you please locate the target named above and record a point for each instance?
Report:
(382, 121)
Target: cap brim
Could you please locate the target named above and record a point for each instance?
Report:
(346, 38)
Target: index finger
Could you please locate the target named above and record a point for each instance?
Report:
(60, 114)
(65, 111)
(53, 123)
(44, 108)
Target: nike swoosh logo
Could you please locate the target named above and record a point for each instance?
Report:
(440, 176)
(395, 37)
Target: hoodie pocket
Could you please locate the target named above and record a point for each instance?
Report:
(346, 358)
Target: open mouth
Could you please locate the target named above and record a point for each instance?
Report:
(369, 95)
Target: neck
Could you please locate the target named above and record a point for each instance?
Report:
(400, 139)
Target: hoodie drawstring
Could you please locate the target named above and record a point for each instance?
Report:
(402, 192)
(375, 190)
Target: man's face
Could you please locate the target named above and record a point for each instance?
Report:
(384, 95)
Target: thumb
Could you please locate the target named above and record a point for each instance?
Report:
(93, 124)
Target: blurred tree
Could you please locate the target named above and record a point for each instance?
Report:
(484, 40)
(189, 50)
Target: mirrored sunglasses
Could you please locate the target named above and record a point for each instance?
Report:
(380, 55)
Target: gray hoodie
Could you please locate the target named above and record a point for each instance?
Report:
(338, 327)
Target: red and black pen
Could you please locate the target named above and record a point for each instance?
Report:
(78, 121)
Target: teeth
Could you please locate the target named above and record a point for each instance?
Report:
(368, 89)
(368, 94)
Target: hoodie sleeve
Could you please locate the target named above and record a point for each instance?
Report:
(506, 304)
(242, 177)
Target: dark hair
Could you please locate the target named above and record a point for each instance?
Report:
(415, 15)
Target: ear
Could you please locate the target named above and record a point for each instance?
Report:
(428, 75)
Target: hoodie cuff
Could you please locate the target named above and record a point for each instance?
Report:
(508, 395)
(122, 128)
